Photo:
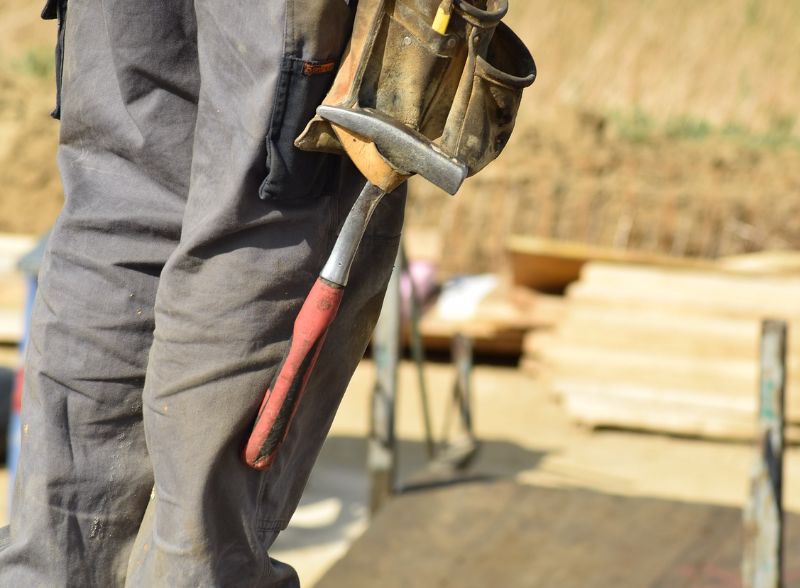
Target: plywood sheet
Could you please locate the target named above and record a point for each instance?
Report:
(504, 534)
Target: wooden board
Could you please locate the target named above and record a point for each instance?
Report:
(763, 262)
(504, 534)
(661, 331)
(663, 410)
(692, 292)
(551, 265)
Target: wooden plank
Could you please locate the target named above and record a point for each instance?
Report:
(676, 411)
(660, 327)
(644, 366)
(673, 339)
(550, 265)
(695, 292)
(665, 333)
(763, 263)
(690, 280)
(505, 534)
(735, 380)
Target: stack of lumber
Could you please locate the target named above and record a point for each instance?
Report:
(667, 349)
(12, 286)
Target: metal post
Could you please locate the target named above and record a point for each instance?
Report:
(458, 453)
(382, 454)
(418, 354)
(763, 516)
(462, 356)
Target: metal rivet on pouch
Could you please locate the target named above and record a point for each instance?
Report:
(406, 41)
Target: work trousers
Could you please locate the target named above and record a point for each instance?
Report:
(191, 232)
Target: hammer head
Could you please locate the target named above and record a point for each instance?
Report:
(407, 150)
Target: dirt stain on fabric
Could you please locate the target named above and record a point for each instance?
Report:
(95, 529)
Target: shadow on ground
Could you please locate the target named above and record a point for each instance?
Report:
(334, 506)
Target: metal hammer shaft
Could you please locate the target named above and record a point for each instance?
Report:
(310, 328)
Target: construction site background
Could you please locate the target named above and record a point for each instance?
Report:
(664, 127)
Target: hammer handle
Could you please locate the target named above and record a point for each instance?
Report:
(283, 395)
(310, 327)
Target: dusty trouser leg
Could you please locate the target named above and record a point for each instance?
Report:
(229, 294)
(128, 117)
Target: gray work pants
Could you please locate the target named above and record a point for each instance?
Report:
(190, 235)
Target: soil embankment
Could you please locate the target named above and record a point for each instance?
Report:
(666, 126)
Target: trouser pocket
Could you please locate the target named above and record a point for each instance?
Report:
(57, 9)
(293, 174)
(315, 35)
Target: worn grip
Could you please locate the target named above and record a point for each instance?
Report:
(283, 395)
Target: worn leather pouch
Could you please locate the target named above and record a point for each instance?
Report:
(460, 89)
(397, 64)
(482, 116)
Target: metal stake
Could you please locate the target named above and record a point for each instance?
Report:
(763, 516)
(418, 354)
(382, 454)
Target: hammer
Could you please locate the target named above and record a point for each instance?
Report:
(387, 153)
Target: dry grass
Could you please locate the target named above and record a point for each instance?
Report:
(662, 125)
(732, 63)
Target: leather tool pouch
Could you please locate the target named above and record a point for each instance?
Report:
(488, 97)
(460, 89)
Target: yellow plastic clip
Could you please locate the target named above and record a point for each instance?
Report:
(442, 19)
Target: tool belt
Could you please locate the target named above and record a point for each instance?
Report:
(450, 70)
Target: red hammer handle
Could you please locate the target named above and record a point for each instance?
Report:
(282, 397)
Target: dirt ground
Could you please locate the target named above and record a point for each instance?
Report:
(526, 437)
